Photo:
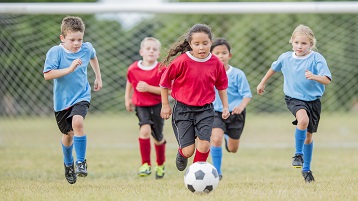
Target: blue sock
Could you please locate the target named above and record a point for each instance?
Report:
(80, 147)
(307, 157)
(67, 154)
(217, 155)
(300, 136)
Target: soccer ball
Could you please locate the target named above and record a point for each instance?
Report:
(201, 177)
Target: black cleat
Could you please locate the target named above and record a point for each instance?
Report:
(308, 176)
(220, 177)
(297, 161)
(181, 162)
(70, 174)
(81, 169)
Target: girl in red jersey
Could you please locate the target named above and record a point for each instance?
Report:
(143, 92)
(192, 77)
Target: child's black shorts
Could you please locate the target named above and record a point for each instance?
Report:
(190, 122)
(64, 117)
(151, 115)
(313, 109)
(232, 126)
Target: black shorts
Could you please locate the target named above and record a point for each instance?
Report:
(190, 122)
(313, 109)
(232, 126)
(151, 115)
(64, 117)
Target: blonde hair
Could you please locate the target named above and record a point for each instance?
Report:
(72, 24)
(305, 30)
(149, 39)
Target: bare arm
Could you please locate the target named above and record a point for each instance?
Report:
(53, 74)
(225, 102)
(319, 78)
(145, 87)
(128, 97)
(261, 86)
(166, 110)
(238, 109)
(98, 81)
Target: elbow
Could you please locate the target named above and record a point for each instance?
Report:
(47, 76)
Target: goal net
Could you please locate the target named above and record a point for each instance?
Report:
(257, 39)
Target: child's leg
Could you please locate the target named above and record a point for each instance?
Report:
(144, 143)
(216, 149)
(202, 151)
(67, 147)
(301, 130)
(80, 138)
(160, 152)
(300, 136)
(307, 153)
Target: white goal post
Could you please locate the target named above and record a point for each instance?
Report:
(177, 8)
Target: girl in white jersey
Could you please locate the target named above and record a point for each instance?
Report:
(305, 75)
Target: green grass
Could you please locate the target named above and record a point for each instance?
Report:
(31, 166)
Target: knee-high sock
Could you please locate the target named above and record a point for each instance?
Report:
(307, 157)
(160, 152)
(201, 157)
(80, 143)
(144, 147)
(300, 136)
(216, 156)
(67, 154)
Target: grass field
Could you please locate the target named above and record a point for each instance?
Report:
(31, 166)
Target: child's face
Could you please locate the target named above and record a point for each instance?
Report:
(301, 45)
(200, 44)
(150, 51)
(72, 41)
(223, 54)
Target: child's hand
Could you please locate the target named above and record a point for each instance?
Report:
(225, 114)
(260, 89)
(309, 75)
(166, 111)
(142, 86)
(97, 85)
(75, 64)
(129, 105)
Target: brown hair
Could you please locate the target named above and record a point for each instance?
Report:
(182, 44)
(72, 24)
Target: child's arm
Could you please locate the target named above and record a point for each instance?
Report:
(261, 87)
(319, 78)
(238, 109)
(225, 102)
(128, 96)
(145, 87)
(98, 81)
(53, 74)
(166, 110)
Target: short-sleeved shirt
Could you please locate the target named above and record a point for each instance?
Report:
(237, 90)
(74, 87)
(192, 80)
(149, 74)
(293, 69)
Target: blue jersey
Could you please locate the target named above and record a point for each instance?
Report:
(74, 87)
(293, 69)
(238, 89)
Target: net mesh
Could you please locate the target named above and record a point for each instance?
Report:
(256, 39)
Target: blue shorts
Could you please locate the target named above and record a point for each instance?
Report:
(313, 109)
(190, 122)
(151, 115)
(64, 117)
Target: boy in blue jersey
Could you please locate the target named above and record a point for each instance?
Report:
(305, 75)
(239, 95)
(66, 64)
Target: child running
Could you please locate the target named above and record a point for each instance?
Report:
(305, 75)
(192, 77)
(143, 91)
(66, 64)
(239, 96)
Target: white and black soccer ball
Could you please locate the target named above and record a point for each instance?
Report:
(201, 177)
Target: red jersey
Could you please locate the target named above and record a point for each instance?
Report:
(149, 74)
(192, 80)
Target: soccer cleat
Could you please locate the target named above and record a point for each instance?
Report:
(220, 177)
(181, 162)
(308, 176)
(159, 172)
(144, 170)
(226, 137)
(297, 161)
(70, 174)
(81, 168)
